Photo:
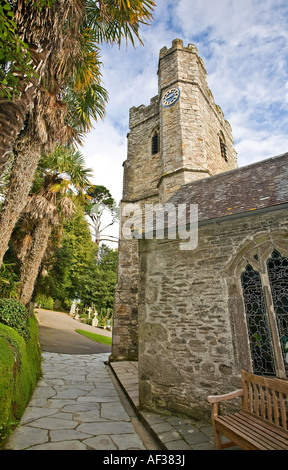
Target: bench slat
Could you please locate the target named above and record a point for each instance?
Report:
(232, 432)
(247, 430)
(282, 435)
(283, 411)
(269, 433)
(251, 432)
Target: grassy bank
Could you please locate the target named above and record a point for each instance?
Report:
(20, 369)
(99, 338)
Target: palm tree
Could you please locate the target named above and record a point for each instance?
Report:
(61, 179)
(70, 95)
(43, 27)
(48, 27)
(58, 116)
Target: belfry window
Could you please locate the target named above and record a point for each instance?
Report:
(267, 321)
(223, 146)
(155, 143)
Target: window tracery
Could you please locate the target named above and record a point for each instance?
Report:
(265, 294)
(257, 323)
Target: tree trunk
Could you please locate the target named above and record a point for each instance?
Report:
(31, 266)
(13, 113)
(27, 155)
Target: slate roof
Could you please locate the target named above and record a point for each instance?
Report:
(262, 185)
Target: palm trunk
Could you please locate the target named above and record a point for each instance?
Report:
(31, 266)
(13, 113)
(26, 160)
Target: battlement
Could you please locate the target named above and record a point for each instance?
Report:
(142, 113)
(177, 45)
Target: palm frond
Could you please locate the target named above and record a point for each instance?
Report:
(114, 20)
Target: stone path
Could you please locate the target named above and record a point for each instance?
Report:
(171, 432)
(75, 407)
(84, 403)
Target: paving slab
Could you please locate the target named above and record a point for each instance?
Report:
(81, 403)
(75, 406)
(172, 432)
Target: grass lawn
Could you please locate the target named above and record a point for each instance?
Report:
(99, 338)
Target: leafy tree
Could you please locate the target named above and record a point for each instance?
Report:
(98, 282)
(9, 281)
(65, 267)
(100, 200)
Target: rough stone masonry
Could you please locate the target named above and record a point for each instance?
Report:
(182, 314)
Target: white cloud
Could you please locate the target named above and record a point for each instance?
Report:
(258, 148)
(105, 152)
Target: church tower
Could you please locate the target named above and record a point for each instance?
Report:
(196, 141)
(181, 137)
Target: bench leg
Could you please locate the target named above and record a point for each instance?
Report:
(217, 438)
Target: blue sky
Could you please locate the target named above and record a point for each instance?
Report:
(244, 47)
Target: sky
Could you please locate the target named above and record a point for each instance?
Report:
(244, 48)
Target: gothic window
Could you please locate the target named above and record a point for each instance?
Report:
(257, 322)
(278, 276)
(155, 142)
(223, 146)
(265, 294)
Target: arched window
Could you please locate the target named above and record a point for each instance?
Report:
(155, 142)
(223, 146)
(257, 323)
(265, 296)
(278, 275)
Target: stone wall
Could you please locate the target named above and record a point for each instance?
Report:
(141, 175)
(192, 331)
(189, 151)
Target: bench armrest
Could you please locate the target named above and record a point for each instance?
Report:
(228, 396)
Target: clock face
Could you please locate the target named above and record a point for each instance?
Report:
(170, 97)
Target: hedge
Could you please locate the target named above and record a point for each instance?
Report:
(20, 369)
(15, 315)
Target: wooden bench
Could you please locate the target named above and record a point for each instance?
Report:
(262, 422)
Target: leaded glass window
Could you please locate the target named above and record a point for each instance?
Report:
(258, 323)
(278, 275)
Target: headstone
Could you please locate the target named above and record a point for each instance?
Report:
(95, 319)
(77, 313)
(73, 308)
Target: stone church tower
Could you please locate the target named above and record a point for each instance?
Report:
(181, 137)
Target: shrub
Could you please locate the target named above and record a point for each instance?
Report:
(20, 369)
(45, 302)
(14, 314)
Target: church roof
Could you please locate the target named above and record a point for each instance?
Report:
(260, 186)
